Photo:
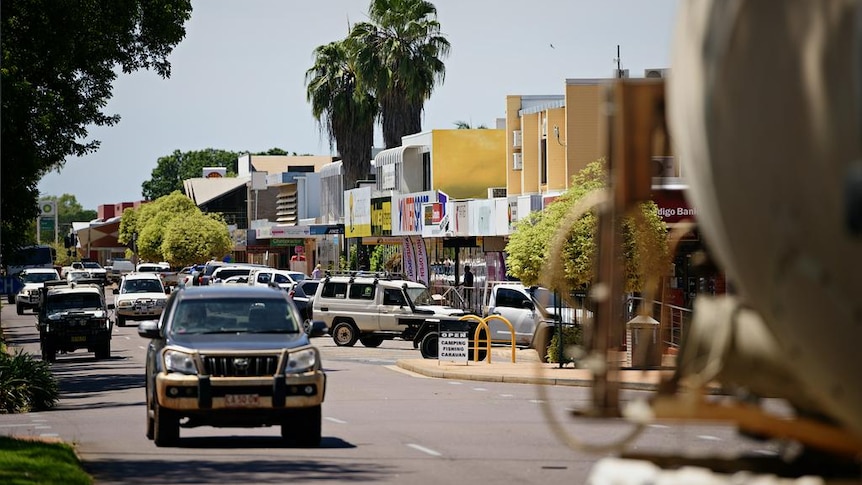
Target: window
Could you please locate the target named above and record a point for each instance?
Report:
(543, 161)
(281, 279)
(426, 171)
(263, 278)
(393, 297)
(510, 298)
(334, 290)
(362, 291)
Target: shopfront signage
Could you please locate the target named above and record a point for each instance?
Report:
(381, 216)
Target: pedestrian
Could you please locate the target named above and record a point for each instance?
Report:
(317, 273)
(468, 286)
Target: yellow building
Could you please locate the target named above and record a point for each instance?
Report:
(549, 139)
(462, 163)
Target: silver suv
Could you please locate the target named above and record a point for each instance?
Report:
(373, 309)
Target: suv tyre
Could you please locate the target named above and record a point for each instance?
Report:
(49, 353)
(428, 346)
(371, 341)
(345, 334)
(166, 426)
(305, 429)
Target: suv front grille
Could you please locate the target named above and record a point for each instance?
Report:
(240, 365)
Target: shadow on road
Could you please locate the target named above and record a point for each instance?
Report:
(277, 469)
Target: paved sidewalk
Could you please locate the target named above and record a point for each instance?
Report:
(527, 370)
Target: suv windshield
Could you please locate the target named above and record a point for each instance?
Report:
(91, 264)
(142, 286)
(73, 301)
(39, 277)
(234, 315)
(420, 296)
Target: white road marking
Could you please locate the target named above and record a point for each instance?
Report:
(424, 450)
(14, 425)
(336, 420)
(127, 337)
(659, 426)
(766, 452)
(43, 427)
(141, 347)
(536, 401)
(507, 395)
(455, 383)
(49, 435)
(479, 389)
(38, 420)
(708, 437)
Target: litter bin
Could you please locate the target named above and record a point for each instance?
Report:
(643, 348)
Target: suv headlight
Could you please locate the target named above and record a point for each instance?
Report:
(301, 361)
(182, 362)
(124, 304)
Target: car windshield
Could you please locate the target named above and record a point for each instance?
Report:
(420, 296)
(92, 264)
(233, 315)
(78, 275)
(142, 286)
(73, 301)
(39, 277)
(297, 276)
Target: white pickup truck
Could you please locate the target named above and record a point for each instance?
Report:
(530, 310)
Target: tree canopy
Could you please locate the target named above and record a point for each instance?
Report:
(59, 62)
(644, 242)
(173, 229)
(399, 54)
(343, 106)
(172, 169)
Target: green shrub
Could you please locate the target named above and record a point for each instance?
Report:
(32, 462)
(573, 339)
(26, 384)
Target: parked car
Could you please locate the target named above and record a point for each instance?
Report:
(232, 356)
(283, 278)
(224, 272)
(140, 296)
(30, 294)
(95, 269)
(236, 280)
(371, 309)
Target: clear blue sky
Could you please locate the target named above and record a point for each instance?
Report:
(238, 77)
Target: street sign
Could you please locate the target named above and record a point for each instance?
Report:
(46, 224)
(453, 343)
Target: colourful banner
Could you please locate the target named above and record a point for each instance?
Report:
(421, 255)
(408, 259)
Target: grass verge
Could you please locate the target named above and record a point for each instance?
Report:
(25, 461)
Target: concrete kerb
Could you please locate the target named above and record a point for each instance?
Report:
(528, 373)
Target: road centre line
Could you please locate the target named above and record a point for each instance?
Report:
(423, 449)
(335, 420)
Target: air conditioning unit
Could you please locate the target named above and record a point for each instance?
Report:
(517, 161)
(664, 167)
(655, 73)
(516, 138)
(496, 192)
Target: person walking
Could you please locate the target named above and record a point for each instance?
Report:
(317, 273)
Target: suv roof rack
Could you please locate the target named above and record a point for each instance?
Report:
(380, 275)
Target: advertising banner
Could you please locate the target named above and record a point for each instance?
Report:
(357, 212)
(407, 215)
(435, 220)
(408, 259)
(482, 217)
(460, 218)
(421, 256)
(381, 216)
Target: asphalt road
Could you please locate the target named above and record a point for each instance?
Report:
(381, 425)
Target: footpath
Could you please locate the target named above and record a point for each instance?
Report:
(527, 369)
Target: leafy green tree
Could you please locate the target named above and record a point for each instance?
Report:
(400, 55)
(195, 238)
(163, 226)
(644, 242)
(343, 106)
(171, 170)
(59, 62)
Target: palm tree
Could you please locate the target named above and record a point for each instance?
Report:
(399, 52)
(344, 108)
(463, 125)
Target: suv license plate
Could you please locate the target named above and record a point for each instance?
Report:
(79, 338)
(242, 400)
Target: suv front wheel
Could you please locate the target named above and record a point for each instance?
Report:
(344, 334)
(166, 426)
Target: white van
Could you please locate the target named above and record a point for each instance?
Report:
(283, 278)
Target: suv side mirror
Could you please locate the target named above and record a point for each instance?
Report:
(528, 305)
(116, 291)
